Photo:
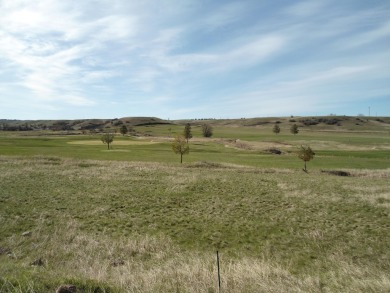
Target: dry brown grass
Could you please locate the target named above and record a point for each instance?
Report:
(155, 264)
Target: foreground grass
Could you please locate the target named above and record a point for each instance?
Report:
(149, 227)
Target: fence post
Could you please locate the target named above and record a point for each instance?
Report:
(219, 274)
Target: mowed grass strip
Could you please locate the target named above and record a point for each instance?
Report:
(329, 153)
(117, 142)
(309, 226)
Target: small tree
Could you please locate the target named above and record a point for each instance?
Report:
(294, 129)
(276, 129)
(123, 130)
(180, 146)
(207, 130)
(305, 154)
(187, 132)
(107, 138)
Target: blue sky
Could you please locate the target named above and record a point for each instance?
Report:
(181, 59)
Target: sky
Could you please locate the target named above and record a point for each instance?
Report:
(179, 59)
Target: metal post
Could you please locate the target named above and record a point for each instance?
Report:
(219, 273)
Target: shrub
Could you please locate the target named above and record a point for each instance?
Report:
(207, 130)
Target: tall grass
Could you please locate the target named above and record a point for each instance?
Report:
(155, 264)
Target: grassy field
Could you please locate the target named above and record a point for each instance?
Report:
(133, 219)
(230, 144)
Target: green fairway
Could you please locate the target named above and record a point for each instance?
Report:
(235, 145)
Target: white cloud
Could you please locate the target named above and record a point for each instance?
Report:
(45, 42)
(77, 100)
(239, 55)
(381, 32)
(40, 86)
(145, 78)
(97, 76)
(311, 94)
(337, 74)
(115, 27)
(305, 8)
(256, 51)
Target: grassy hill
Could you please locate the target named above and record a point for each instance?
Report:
(312, 123)
(80, 124)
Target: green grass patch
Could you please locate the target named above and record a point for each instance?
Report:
(85, 215)
(333, 150)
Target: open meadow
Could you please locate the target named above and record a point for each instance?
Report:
(133, 219)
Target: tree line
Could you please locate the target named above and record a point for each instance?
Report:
(293, 129)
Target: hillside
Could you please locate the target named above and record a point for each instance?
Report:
(80, 124)
(317, 123)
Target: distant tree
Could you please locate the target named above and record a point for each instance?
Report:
(294, 129)
(107, 138)
(187, 132)
(180, 146)
(207, 130)
(276, 129)
(123, 130)
(305, 153)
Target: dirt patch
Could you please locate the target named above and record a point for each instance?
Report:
(274, 151)
(337, 172)
(66, 289)
(4, 250)
(206, 164)
(38, 262)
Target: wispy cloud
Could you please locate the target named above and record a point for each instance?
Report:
(306, 8)
(338, 74)
(77, 100)
(242, 54)
(236, 56)
(45, 41)
(223, 15)
(310, 94)
(380, 32)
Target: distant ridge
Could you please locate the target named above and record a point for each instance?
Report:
(331, 122)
